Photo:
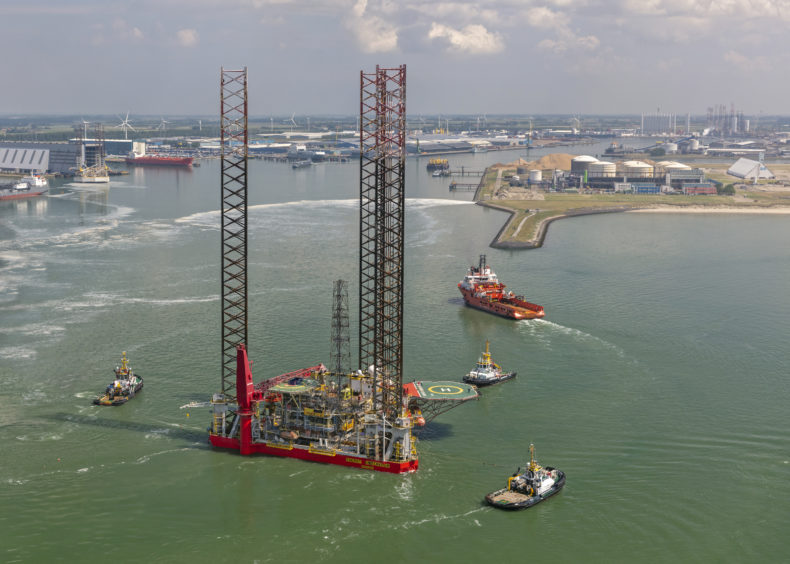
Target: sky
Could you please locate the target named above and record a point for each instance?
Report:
(163, 57)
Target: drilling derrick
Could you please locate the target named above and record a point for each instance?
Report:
(340, 351)
(233, 143)
(382, 201)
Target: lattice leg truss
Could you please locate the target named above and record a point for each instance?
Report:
(340, 351)
(234, 141)
(382, 203)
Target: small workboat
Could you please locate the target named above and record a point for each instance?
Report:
(487, 372)
(123, 388)
(525, 489)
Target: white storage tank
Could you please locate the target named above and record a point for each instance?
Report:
(603, 169)
(535, 176)
(694, 145)
(581, 163)
(637, 169)
(670, 148)
(662, 166)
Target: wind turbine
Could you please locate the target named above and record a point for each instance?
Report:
(125, 125)
(293, 123)
(162, 126)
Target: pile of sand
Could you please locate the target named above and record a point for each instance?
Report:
(553, 161)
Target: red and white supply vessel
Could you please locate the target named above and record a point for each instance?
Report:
(482, 289)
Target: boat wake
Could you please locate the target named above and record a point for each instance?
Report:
(542, 329)
(210, 219)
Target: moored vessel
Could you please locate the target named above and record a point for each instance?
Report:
(123, 388)
(487, 372)
(438, 164)
(528, 488)
(35, 181)
(482, 289)
(98, 174)
(158, 160)
(17, 190)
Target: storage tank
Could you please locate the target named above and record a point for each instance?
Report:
(603, 169)
(581, 163)
(661, 166)
(672, 165)
(670, 148)
(637, 169)
(694, 145)
(535, 176)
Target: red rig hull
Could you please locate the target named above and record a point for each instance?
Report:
(249, 398)
(313, 455)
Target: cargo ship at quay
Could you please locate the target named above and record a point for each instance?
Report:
(158, 160)
(482, 290)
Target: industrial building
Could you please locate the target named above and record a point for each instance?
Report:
(749, 169)
(24, 157)
(29, 157)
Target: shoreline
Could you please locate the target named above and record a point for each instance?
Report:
(543, 226)
(773, 210)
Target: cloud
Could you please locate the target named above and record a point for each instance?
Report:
(473, 38)
(373, 34)
(746, 64)
(543, 17)
(121, 30)
(187, 37)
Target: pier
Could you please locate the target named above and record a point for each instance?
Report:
(462, 187)
(464, 172)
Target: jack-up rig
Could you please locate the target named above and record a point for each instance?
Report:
(361, 418)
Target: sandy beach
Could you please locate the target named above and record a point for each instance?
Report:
(713, 209)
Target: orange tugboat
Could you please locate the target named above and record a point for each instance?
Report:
(482, 290)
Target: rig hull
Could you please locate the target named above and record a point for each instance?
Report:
(313, 455)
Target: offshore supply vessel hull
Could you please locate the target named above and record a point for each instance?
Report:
(482, 290)
(319, 416)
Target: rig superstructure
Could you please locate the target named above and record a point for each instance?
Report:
(361, 418)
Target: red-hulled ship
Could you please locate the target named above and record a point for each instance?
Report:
(17, 190)
(158, 160)
(482, 290)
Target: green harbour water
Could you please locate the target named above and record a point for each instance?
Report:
(658, 380)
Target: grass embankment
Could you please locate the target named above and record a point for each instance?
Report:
(530, 217)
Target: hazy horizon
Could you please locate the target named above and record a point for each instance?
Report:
(551, 57)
